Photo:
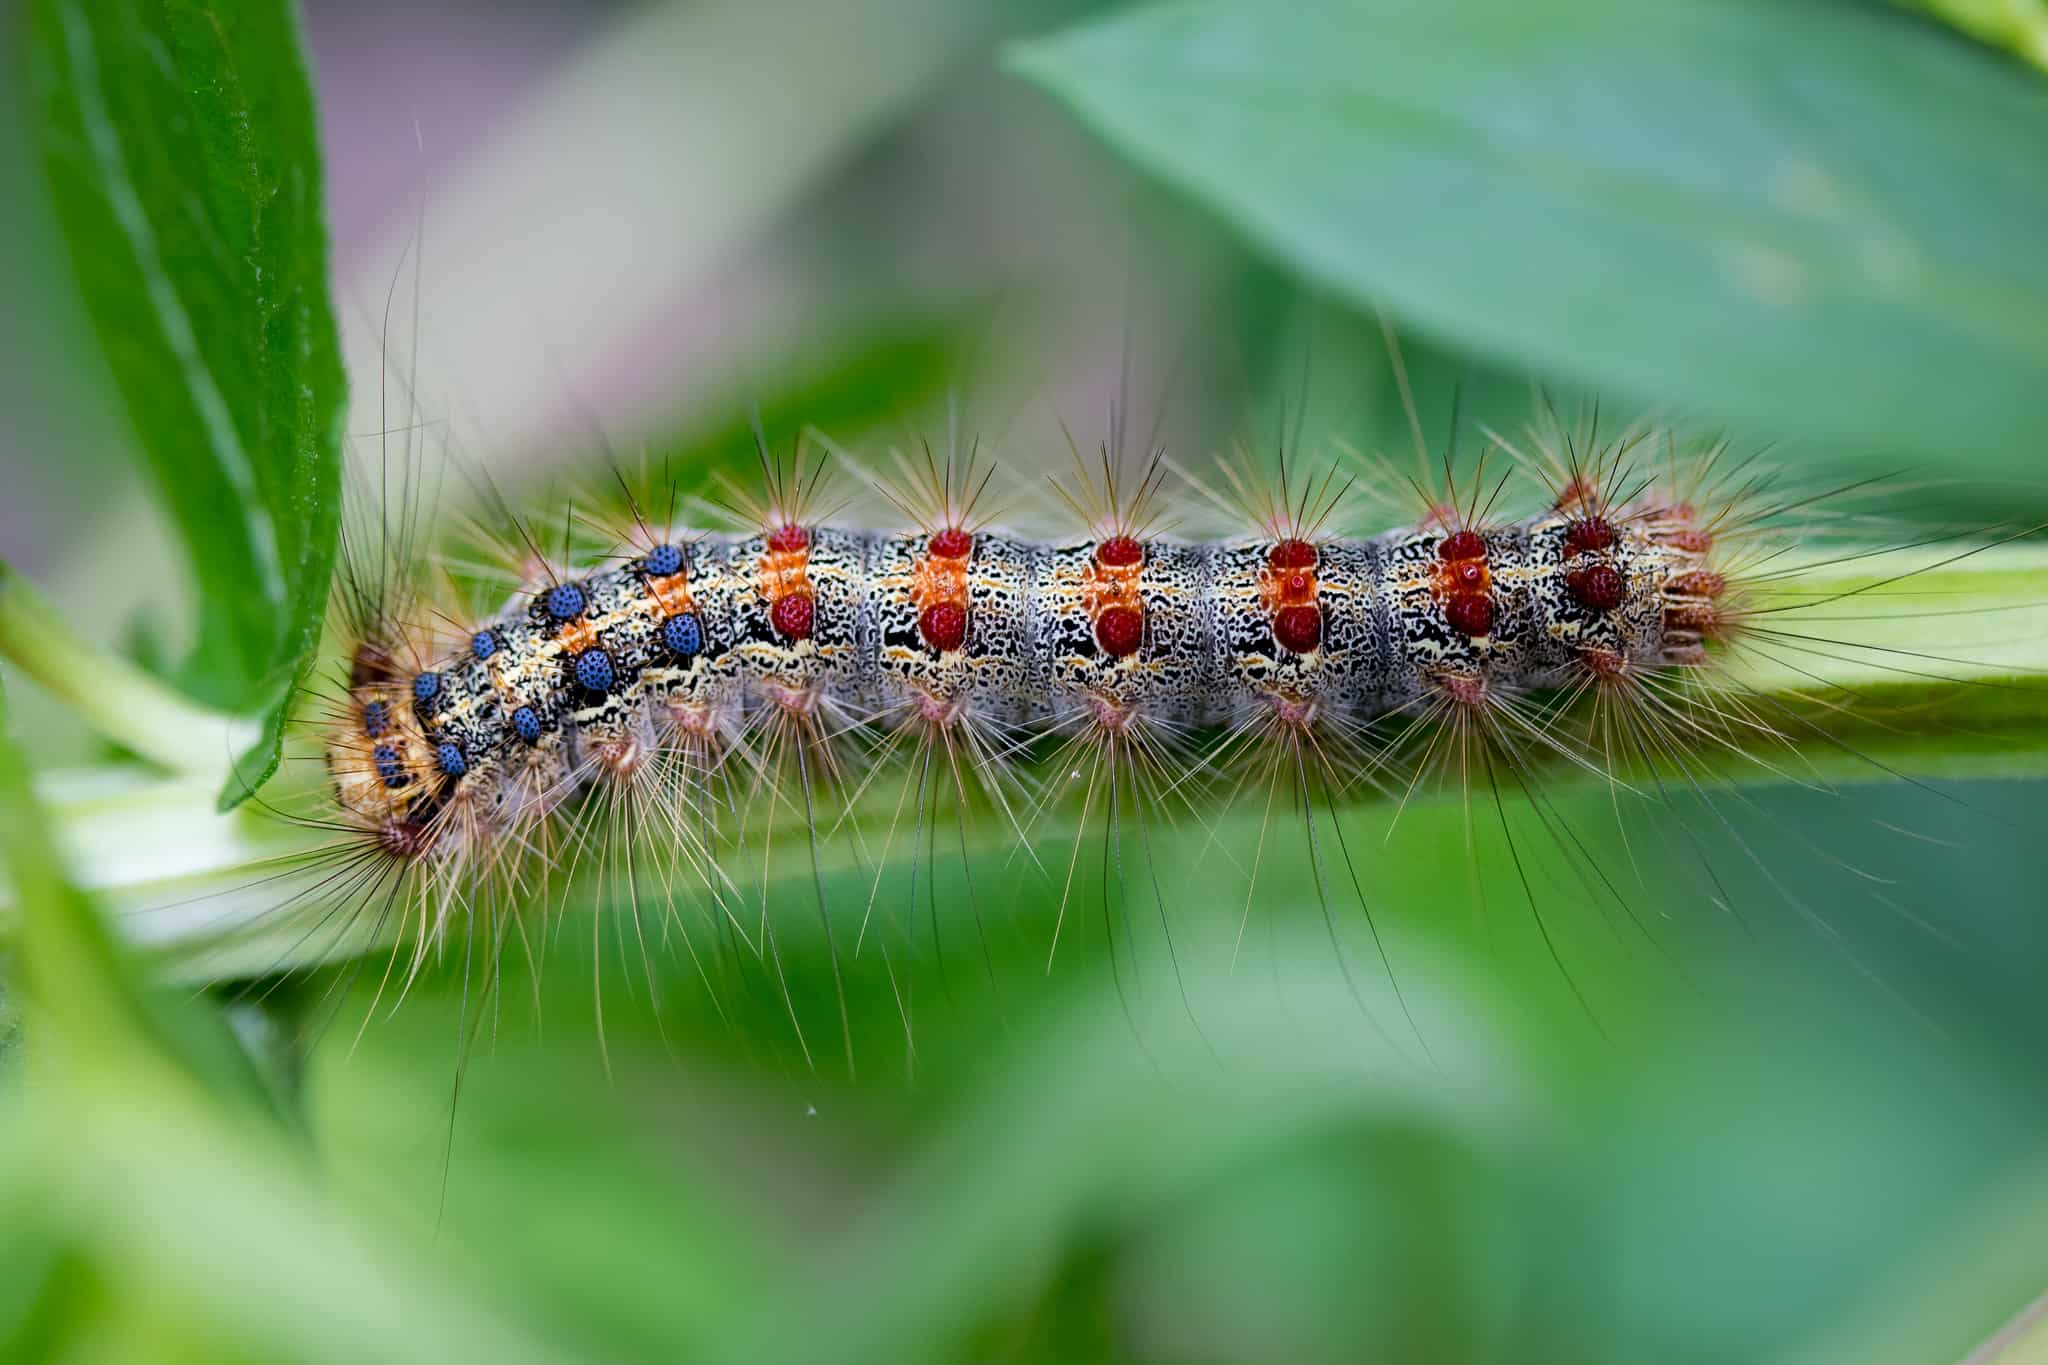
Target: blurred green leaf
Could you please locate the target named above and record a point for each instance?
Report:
(179, 141)
(1820, 217)
(2018, 26)
(90, 999)
(153, 1210)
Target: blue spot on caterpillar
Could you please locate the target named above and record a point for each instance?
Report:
(594, 671)
(452, 762)
(526, 724)
(390, 771)
(426, 687)
(662, 561)
(683, 635)
(484, 644)
(376, 719)
(564, 603)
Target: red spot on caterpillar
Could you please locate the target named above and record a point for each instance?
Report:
(786, 581)
(1292, 554)
(1461, 545)
(1466, 689)
(1119, 552)
(1469, 614)
(1604, 664)
(951, 543)
(943, 625)
(938, 588)
(1287, 589)
(1692, 542)
(1120, 630)
(1703, 617)
(1110, 596)
(1697, 583)
(1464, 580)
(1299, 629)
(791, 616)
(1597, 587)
(1589, 533)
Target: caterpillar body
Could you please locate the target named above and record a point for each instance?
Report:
(587, 675)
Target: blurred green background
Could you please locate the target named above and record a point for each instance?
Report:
(1755, 1078)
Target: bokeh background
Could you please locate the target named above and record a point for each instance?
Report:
(1760, 1080)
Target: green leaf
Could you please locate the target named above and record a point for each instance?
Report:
(92, 1006)
(1819, 217)
(179, 142)
(2019, 26)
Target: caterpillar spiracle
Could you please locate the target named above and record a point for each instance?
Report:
(661, 705)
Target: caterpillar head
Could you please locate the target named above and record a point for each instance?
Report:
(387, 775)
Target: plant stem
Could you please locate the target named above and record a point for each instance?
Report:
(118, 699)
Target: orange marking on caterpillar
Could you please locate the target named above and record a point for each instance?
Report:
(577, 635)
(1109, 594)
(938, 588)
(1465, 583)
(672, 593)
(1287, 590)
(785, 581)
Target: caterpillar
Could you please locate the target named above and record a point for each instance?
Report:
(645, 704)
(957, 626)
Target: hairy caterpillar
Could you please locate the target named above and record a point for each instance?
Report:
(659, 704)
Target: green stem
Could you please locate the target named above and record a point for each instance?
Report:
(116, 698)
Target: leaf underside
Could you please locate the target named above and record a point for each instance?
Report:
(180, 146)
(1728, 206)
